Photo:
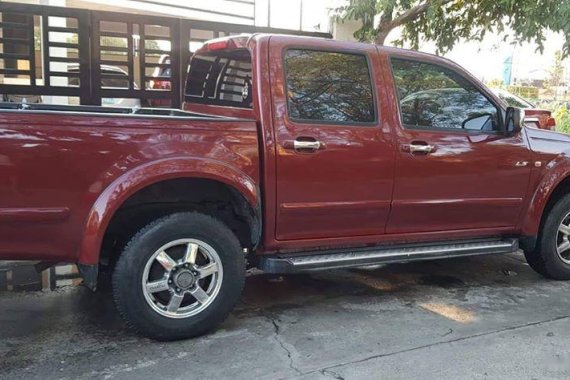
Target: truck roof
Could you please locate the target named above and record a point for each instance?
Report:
(244, 40)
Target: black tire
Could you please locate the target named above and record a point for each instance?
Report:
(534, 261)
(544, 259)
(128, 276)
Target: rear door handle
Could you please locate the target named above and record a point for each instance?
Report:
(306, 145)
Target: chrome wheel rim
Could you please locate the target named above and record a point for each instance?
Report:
(182, 278)
(562, 240)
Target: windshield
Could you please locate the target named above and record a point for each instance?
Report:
(513, 100)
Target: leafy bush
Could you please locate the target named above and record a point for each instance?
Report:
(562, 117)
(527, 92)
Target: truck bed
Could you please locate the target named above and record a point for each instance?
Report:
(62, 165)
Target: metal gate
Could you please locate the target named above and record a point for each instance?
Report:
(77, 56)
(20, 37)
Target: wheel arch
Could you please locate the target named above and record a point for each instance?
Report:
(554, 184)
(130, 183)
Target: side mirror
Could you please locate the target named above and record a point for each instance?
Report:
(514, 120)
(479, 123)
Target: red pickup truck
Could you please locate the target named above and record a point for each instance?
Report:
(292, 154)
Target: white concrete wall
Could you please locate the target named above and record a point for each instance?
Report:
(344, 31)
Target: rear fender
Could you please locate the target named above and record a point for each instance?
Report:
(145, 175)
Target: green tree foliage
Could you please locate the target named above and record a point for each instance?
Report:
(446, 21)
(562, 117)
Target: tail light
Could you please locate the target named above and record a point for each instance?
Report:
(217, 45)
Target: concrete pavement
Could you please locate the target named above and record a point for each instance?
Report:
(481, 317)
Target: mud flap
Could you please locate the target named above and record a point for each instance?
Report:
(89, 274)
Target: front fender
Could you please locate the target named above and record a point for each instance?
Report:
(145, 175)
(556, 171)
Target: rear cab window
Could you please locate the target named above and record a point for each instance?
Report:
(220, 78)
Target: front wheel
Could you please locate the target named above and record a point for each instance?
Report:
(179, 277)
(551, 257)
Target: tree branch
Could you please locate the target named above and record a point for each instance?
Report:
(411, 14)
(385, 26)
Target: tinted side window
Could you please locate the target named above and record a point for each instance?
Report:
(434, 97)
(328, 86)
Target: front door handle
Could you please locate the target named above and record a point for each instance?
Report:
(418, 147)
(415, 148)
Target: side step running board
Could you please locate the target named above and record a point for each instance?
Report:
(318, 260)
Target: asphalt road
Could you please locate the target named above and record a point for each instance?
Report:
(484, 317)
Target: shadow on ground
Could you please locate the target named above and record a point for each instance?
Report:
(311, 325)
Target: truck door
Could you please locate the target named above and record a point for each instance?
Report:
(455, 168)
(334, 158)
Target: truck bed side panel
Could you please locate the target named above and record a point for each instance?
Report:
(54, 166)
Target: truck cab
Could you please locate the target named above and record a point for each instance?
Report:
(370, 144)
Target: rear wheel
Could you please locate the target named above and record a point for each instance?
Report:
(179, 277)
(551, 257)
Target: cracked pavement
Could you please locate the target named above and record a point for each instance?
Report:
(479, 317)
